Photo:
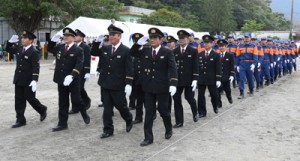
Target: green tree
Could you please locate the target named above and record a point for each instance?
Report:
(218, 16)
(165, 17)
(252, 26)
(27, 14)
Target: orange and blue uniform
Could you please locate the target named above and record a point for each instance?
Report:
(267, 61)
(246, 56)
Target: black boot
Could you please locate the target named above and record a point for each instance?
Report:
(272, 81)
(251, 92)
(261, 84)
(267, 83)
(257, 87)
(241, 94)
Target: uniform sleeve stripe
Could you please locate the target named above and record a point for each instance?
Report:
(35, 74)
(174, 79)
(87, 68)
(75, 70)
(129, 77)
(196, 74)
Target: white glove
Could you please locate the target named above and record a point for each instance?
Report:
(97, 75)
(238, 69)
(143, 40)
(33, 85)
(194, 85)
(68, 80)
(56, 38)
(294, 60)
(271, 65)
(128, 90)
(252, 67)
(14, 39)
(231, 78)
(258, 65)
(278, 59)
(218, 84)
(274, 63)
(54, 62)
(172, 90)
(100, 38)
(288, 61)
(87, 76)
(285, 61)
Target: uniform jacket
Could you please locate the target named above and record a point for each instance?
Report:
(209, 68)
(116, 70)
(227, 66)
(187, 65)
(87, 58)
(158, 74)
(28, 66)
(69, 63)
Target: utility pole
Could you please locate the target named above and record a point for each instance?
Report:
(292, 16)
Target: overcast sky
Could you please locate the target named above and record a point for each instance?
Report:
(284, 6)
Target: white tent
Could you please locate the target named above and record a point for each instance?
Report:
(93, 27)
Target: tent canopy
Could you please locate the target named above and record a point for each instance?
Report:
(93, 27)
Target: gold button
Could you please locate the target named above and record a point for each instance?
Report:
(152, 76)
(108, 73)
(153, 70)
(204, 72)
(181, 72)
(139, 67)
(109, 66)
(139, 72)
(20, 65)
(19, 71)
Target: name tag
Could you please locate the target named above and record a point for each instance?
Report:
(105, 53)
(227, 59)
(211, 59)
(146, 57)
(189, 56)
(119, 56)
(26, 57)
(162, 57)
(71, 54)
(200, 57)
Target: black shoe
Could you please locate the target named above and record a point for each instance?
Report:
(251, 93)
(18, 124)
(43, 115)
(230, 101)
(220, 106)
(137, 121)
(100, 105)
(178, 125)
(168, 135)
(195, 118)
(129, 126)
(202, 115)
(106, 135)
(73, 112)
(241, 95)
(216, 110)
(146, 142)
(86, 117)
(267, 83)
(59, 128)
(272, 81)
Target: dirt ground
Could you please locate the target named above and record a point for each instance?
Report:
(265, 127)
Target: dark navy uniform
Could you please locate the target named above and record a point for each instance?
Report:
(137, 97)
(158, 75)
(85, 70)
(68, 62)
(227, 60)
(209, 73)
(27, 70)
(188, 71)
(116, 72)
